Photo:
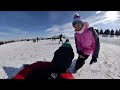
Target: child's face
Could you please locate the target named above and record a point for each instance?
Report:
(77, 27)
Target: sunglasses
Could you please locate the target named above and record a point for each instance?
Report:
(77, 22)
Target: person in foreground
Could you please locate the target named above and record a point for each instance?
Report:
(86, 40)
(62, 59)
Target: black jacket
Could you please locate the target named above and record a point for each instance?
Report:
(62, 59)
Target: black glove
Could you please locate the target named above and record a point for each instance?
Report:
(81, 53)
(93, 60)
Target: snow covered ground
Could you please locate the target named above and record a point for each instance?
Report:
(14, 55)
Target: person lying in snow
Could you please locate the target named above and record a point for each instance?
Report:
(62, 58)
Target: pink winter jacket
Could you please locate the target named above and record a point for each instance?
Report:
(87, 41)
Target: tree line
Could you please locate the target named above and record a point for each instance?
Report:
(108, 32)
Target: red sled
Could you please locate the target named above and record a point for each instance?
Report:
(39, 70)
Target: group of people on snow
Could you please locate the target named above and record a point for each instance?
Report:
(87, 43)
(36, 40)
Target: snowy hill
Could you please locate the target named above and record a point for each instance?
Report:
(14, 55)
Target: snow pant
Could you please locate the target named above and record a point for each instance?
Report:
(60, 41)
(80, 62)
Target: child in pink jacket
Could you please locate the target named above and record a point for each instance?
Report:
(86, 40)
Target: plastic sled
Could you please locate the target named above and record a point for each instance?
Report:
(39, 70)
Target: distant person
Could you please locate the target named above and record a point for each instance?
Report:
(53, 38)
(60, 39)
(34, 40)
(37, 39)
(62, 59)
(86, 40)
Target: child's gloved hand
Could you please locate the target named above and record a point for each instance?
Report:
(93, 60)
(81, 53)
(81, 56)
